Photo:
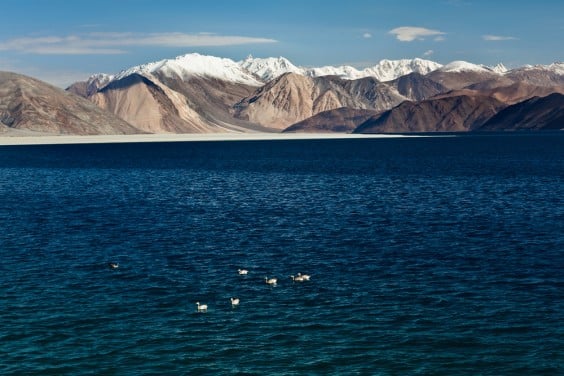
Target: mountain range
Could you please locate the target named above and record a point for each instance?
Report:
(195, 93)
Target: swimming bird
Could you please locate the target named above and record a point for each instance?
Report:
(304, 277)
(243, 271)
(299, 278)
(234, 302)
(271, 281)
(113, 265)
(202, 307)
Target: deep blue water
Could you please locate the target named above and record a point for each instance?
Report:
(430, 256)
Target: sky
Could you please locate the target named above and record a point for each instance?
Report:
(63, 41)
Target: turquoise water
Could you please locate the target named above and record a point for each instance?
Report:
(440, 255)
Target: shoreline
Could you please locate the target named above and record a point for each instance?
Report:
(133, 138)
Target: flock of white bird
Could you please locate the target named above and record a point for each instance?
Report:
(270, 281)
(235, 301)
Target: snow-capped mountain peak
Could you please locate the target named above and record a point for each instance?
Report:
(195, 64)
(257, 71)
(499, 68)
(101, 78)
(268, 68)
(556, 68)
(96, 82)
(387, 70)
(463, 66)
(344, 71)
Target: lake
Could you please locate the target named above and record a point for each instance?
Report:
(427, 255)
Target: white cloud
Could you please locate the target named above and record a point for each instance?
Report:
(367, 35)
(411, 33)
(428, 53)
(116, 43)
(497, 38)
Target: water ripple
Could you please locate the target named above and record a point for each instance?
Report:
(431, 256)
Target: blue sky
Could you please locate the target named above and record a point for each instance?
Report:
(62, 41)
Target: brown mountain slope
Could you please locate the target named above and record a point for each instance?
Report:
(87, 88)
(158, 103)
(417, 87)
(510, 94)
(459, 80)
(450, 114)
(150, 106)
(292, 98)
(27, 104)
(214, 100)
(343, 120)
(539, 75)
(537, 113)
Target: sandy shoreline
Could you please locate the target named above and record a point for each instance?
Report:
(51, 140)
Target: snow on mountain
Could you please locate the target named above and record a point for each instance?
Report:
(557, 68)
(499, 68)
(345, 71)
(91, 85)
(388, 70)
(101, 79)
(268, 68)
(385, 70)
(257, 71)
(195, 64)
(463, 66)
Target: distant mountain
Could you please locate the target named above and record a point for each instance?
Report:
(464, 66)
(343, 120)
(450, 114)
(499, 68)
(417, 87)
(506, 90)
(385, 70)
(539, 75)
(546, 113)
(32, 106)
(198, 93)
(258, 71)
(269, 68)
(293, 97)
(388, 70)
(90, 86)
(176, 106)
(149, 105)
(195, 65)
(461, 78)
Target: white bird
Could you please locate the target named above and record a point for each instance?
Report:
(113, 265)
(299, 278)
(234, 301)
(304, 277)
(243, 271)
(202, 307)
(270, 281)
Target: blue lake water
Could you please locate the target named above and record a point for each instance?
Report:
(438, 255)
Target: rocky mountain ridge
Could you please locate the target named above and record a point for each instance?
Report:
(272, 93)
(205, 94)
(29, 106)
(258, 71)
